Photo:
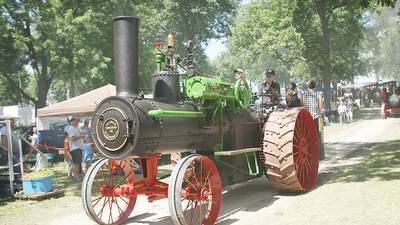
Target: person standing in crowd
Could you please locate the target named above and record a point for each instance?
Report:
(75, 139)
(269, 87)
(342, 110)
(313, 102)
(88, 143)
(4, 142)
(67, 156)
(349, 113)
(3, 133)
(334, 112)
(34, 137)
(292, 98)
(67, 153)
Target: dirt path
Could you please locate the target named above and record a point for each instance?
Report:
(358, 184)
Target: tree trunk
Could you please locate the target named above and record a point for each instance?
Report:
(72, 91)
(43, 83)
(325, 69)
(43, 89)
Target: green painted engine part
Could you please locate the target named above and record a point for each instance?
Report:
(208, 88)
(236, 95)
(160, 60)
(242, 93)
(160, 113)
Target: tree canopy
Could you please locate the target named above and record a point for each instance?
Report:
(51, 50)
(318, 39)
(63, 48)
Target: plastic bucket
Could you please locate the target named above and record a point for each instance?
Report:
(44, 184)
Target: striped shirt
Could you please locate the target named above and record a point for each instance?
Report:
(310, 100)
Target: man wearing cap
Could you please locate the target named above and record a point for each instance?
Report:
(76, 146)
(270, 86)
(238, 74)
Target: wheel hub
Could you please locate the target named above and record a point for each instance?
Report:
(203, 194)
(106, 191)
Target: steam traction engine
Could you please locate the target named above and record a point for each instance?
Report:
(188, 113)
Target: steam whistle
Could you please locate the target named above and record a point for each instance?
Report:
(160, 56)
(170, 41)
(171, 52)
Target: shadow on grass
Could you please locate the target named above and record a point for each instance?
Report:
(380, 162)
(61, 181)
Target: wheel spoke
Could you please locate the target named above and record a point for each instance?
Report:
(195, 178)
(190, 183)
(116, 175)
(103, 175)
(119, 208)
(188, 204)
(216, 184)
(98, 184)
(97, 200)
(206, 180)
(307, 170)
(298, 132)
(110, 166)
(302, 173)
(193, 213)
(208, 212)
(123, 200)
(110, 214)
(102, 208)
(201, 170)
(125, 178)
(202, 206)
(307, 135)
(199, 210)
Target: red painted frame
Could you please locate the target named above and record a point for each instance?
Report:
(149, 186)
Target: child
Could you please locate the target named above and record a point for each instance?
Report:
(68, 157)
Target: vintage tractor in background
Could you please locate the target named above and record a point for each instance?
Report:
(390, 98)
(208, 119)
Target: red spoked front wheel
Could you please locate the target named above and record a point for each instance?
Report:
(101, 197)
(195, 191)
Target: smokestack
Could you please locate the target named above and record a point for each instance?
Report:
(126, 51)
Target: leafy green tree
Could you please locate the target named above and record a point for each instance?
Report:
(264, 30)
(199, 21)
(56, 40)
(325, 9)
(68, 44)
(320, 38)
(381, 45)
(391, 53)
(10, 61)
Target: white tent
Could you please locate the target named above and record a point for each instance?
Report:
(84, 104)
